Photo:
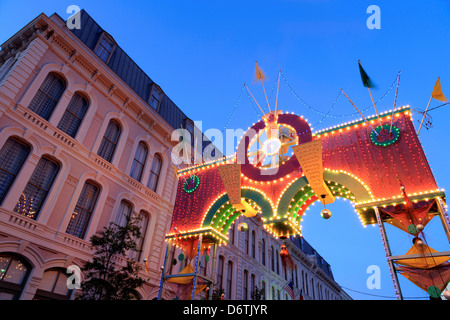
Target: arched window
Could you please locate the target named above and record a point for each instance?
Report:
(53, 286)
(303, 281)
(278, 263)
(139, 161)
(263, 252)
(83, 210)
(306, 284)
(246, 243)
(272, 258)
(12, 157)
(38, 187)
(155, 173)
(245, 286)
(273, 293)
(252, 283)
(74, 114)
(109, 142)
(231, 232)
(229, 280)
(142, 224)
(48, 95)
(124, 213)
(220, 272)
(13, 276)
(253, 244)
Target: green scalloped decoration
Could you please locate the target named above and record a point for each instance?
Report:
(382, 137)
(191, 184)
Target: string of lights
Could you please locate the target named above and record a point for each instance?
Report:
(336, 115)
(381, 296)
(334, 104)
(234, 109)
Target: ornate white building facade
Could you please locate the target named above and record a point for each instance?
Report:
(85, 138)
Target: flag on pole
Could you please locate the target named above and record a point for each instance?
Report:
(437, 91)
(364, 77)
(290, 289)
(259, 74)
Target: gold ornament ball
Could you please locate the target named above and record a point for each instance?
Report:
(325, 213)
(242, 226)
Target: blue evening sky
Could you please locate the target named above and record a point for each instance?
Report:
(202, 52)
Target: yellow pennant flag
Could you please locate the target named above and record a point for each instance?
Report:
(260, 76)
(437, 92)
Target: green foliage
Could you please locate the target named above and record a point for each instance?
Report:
(103, 279)
(257, 294)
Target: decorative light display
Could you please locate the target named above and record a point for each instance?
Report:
(347, 152)
(191, 184)
(271, 146)
(385, 136)
(25, 206)
(362, 161)
(364, 174)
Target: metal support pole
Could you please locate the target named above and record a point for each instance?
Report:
(213, 270)
(163, 270)
(387, 250)
(197, 260)
(444, 216)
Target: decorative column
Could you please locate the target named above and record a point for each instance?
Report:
(163, 270)
(197, 260)
(444, 216)
(387, 250)
(213, 270)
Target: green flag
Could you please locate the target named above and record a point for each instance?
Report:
(364, 77)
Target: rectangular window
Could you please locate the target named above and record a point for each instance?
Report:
(104, 48)
(229, 279)
(83, 210)
(12, 156)
(37, 188)
(220, 272)
(253, 245)
(245, 286)
(252, 283)
(231, 233)
(246, 244)
(155, 98)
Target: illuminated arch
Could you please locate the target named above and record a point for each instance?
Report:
(359, 190)
(222, 214)
(299, 195)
